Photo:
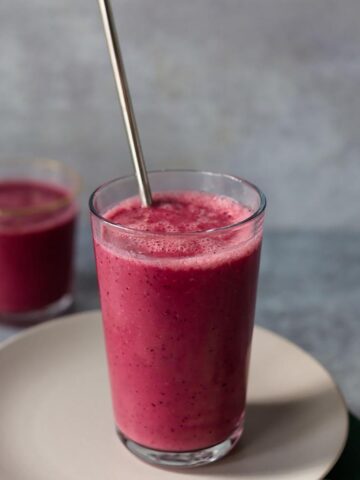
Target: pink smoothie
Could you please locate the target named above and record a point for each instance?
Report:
(178, 317)
(36, 243)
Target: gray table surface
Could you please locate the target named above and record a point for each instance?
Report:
(309, 292)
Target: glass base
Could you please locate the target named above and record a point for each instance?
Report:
(195, 458)
(35, 316)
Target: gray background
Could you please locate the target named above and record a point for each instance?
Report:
(267, 89)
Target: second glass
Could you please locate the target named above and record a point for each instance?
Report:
(178, 312)
(38, 211)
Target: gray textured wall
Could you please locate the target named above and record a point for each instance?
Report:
(267, 89)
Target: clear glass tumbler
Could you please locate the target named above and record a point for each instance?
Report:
(178, 327)
(37, 222)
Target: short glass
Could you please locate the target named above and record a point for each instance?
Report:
(178, 328)
(37, 222)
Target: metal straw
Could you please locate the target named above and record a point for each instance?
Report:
(125, 102)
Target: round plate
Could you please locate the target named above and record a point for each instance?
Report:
(56, 419)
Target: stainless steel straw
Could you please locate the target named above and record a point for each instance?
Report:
(125, 102)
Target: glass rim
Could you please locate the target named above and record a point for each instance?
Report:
(133, 231)
(50, 165)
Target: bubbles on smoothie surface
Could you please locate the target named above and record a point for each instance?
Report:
(179, 212)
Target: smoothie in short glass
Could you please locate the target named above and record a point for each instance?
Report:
(37, 221)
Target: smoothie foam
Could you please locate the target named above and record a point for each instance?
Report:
(178, 316)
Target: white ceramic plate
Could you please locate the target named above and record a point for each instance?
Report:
(56, 419)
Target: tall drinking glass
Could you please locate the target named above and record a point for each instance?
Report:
(178, 311)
